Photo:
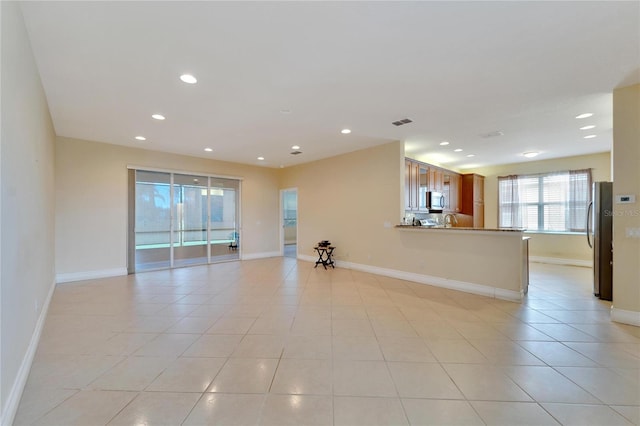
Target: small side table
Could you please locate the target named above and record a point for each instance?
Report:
(325, 256)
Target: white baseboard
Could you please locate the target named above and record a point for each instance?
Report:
(307, 258)
(625, 317)
(15, 393)
(510, 295)
(262, 255)
(561, 261)
(90, 275)
(463, 286)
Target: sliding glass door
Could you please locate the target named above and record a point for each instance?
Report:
(189, 220)
(152, 220)
(224, 241)
(182, 220)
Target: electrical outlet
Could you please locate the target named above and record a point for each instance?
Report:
(632, 232)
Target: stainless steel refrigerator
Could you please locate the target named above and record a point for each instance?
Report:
(600, 238)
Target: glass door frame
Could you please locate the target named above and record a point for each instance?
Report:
(189, 216)
(282, 217)
(131, 235)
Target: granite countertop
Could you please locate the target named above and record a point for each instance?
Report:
(459, 228)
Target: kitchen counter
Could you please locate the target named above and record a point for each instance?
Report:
(506, 231)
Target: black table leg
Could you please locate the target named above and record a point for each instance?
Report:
(325, 257)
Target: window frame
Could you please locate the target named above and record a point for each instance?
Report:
(540, 204)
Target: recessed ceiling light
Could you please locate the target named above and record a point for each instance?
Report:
(261, 158)
(531, 154)
(141, 138)
(590, 136)
(295, 147)
(158, 116)
(585, 115)
(208, 149)
(443, 143)
(471, 155)
(457, 150)
(345, 131)
(591, 126)
(188, 78)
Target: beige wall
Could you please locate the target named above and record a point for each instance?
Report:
(355, 199)
(571, 247)
(27, 204)
(347, 199)
(91, 207)
(626, 166)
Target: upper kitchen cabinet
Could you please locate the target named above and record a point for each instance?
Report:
(423, 186)
(452, 190)
(415, 185)
(410, 185)
(478, 188)
(436, 179)
(473, 198)
(422, 178)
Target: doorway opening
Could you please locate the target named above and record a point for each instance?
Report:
(289, 219)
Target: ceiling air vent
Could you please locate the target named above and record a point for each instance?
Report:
(402, 122)
(296, 152)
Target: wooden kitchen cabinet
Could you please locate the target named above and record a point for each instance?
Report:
(423, 186)
(436, 179)
(421, 178)
(478, 215)
(415, 185)
(453, 192)
(478, 188)
(410, 189)
(473, 198)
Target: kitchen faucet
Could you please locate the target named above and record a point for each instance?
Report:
(448, 219)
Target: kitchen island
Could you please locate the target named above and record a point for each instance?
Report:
(490, 262)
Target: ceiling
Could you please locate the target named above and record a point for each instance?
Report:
(276, 74)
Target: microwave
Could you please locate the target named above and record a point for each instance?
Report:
(435, 201)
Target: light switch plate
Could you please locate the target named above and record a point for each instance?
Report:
(625, 199)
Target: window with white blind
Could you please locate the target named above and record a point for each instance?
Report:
(551, 202)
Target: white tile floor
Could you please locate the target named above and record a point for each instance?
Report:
(277, 342)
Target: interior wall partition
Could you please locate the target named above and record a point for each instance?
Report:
(180, 219)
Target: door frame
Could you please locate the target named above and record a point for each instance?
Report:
(131, 206)
(282, 191)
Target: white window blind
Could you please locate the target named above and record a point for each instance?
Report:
(553, 202)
